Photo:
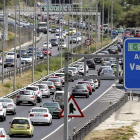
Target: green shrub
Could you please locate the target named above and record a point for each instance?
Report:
(8, 85)
(39, 68)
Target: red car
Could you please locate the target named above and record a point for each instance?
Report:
(44, 51)
(126, 34)
(137, 34)
(88, 85)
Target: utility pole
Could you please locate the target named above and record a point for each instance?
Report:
(3, 42)
(34, 30)
(108, 20)
(111, 16)
(19, 41)
(96, 22)
(47, 37)
(102, 21)
(15, 64)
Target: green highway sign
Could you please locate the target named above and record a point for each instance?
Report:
(54, 8)
(133, 46)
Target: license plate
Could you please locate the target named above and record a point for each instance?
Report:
(20, 126)
(24, 102)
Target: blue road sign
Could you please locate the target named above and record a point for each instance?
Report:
(131, 62)
(111, 37)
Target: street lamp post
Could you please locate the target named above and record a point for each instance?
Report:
(102, 21)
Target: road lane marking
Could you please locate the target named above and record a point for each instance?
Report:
(82, 110)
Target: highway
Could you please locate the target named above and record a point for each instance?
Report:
(96, 103)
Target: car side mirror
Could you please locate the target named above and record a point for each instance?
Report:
(9, 122)
(40, 106)
(28, 111)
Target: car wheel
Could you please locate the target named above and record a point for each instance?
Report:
(93, 90)
(90, 93)
(2, 119)
(30, 136)
(97, 87)
(48, 96)
(58, 117)
(13, 112)
(18, 103)
(87, 96)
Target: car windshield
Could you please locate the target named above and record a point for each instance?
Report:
(20, 121)
(25, 56)
(39, 110)
(57, 35)
(10, 53)
(30, 49)
(53, 79)
(44, 49)
(79, 87)
(106, 59)
(24, 92)
(73, 69)
(30, 54)
(51, 104)
(6, 100)
(58, 96)
(82, 83)
(114, 66)
(42, 25)
(48, 83)
(32, 88)
(53, 39)
(9, 60)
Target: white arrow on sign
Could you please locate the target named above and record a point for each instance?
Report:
(73, 110)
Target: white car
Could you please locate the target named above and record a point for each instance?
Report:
(40, 115)
(63, 45)
(49, 45)
(9, 105)
(3, 135)
(2, 113)
(0, 60)
(44, 89)
(36, 91)
(62, 76)
(82, 63)
(80, 68)
(75, 70)
(59, 36)
(26, 59)
(74, 39)
(58, 29)
(10, 55)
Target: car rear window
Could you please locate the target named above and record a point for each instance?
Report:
(32, 88)
(24, 93)
(53, 79)
(20, 121)
(79, 87)
(41, 86)
(47, 83)
(50, 104)
(58, 96)
(39, 110)
(107, 71)
(6, 100)
(59, 75)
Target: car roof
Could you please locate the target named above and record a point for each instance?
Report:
(59, 73)
(26, 118)
(59, 92)
(39, 108)
(32, 86)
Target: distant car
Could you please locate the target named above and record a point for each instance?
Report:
(21, 126)
(72, 31)
(58, 29)
(120, 30)
(50, 85)
(23, 52)
(80, 68)
(80, 90)
(9, 63)
(26, 97)
(62, 45)
(4, 135)
(26, 59)
(40, 55)
(127, 33)
(9, 105)
(53, 30)
(137, 34)
(107, 72)
(57, 82)
(44, 89)
(10, 55)
(0, 60)
(74, 39)
(2, 113)
(45, 51)
(91, 64)
(114, 32)
(62, 76)
(75, 70)
(59, 36)
(54, 41)
(96, 81)
(98, 60)
(37, 91)
(82, 63)
(113, 50)
(53, 107)
(103, 67)
(40, 115)
(45, 44)
(119, 47)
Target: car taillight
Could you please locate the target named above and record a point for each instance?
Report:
(28, 127)
(11, 126)
(46, 115)
(95, 81)
(76, 72)
(73, 90)
(33, 97)
(57, 83)
(81, 69)
(102, 73)
(38, 92)
(10, 104)
(1, 109)
(31, 115)
(85, 90)
(51, 87)
(113, 73)
(2, 136)
(46, 90)
(57, 109)
(18, 96)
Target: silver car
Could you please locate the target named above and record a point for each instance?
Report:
(26, 97)
(51, 86)
(9, 105)
(44, 89)
(36, 91)
(91, 81)
(74, 69)
(80, 90)
(107, 72)
(62, 76)
(3, 134)
(57, 82)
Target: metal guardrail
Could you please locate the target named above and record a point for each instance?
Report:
(84, 131)
(13, 94)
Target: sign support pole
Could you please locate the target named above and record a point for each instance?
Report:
(130, 101)
(71, 128)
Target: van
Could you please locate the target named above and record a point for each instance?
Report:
(59, 97)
